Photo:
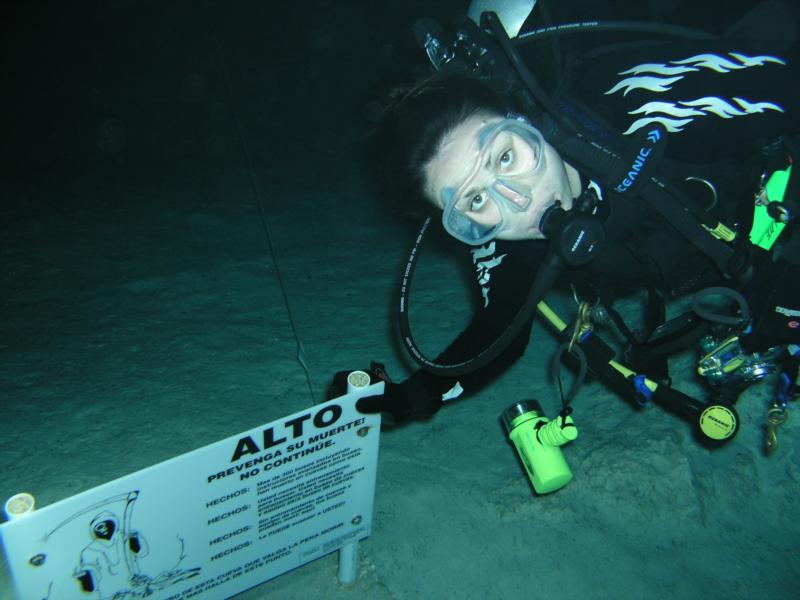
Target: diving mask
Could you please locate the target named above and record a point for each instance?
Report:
(510, 152)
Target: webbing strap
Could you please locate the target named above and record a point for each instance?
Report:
(602, 164)
(663, 201)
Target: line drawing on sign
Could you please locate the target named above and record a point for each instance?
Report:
(108, 566)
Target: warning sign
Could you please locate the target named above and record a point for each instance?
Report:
(210, 523)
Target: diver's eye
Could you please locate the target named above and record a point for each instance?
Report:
(478, 202)
(506, 160)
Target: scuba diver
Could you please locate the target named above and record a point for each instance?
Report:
(660, 165)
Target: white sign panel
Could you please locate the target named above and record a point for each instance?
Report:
(211, 523)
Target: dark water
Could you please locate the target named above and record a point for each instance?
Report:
(183, 199)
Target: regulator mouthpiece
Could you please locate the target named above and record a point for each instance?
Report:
(575, 236)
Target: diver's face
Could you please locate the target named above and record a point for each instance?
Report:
(495, 178)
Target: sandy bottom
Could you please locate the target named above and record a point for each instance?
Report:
(143, 317)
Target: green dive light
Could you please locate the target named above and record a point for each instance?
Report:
(538, 442)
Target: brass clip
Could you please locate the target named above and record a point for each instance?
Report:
(776, 416)
(583, 324)
(760, 198)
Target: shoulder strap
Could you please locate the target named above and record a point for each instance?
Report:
(635, 174)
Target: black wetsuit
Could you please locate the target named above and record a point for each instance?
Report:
(723, 104)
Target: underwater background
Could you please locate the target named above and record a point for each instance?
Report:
(191, 248)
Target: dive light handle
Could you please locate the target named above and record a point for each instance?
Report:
(715, 423)
(679, 403)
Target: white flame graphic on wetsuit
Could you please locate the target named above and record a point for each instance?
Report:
(674, 116)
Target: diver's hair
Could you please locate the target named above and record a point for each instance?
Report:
(411, 128)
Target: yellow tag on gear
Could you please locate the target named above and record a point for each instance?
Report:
(717, 422)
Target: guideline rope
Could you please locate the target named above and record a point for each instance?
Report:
(259, 196)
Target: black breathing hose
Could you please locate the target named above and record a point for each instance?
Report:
(546, 276)
(622, 26)
(731, 294)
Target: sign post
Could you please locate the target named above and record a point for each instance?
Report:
(214, 522)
